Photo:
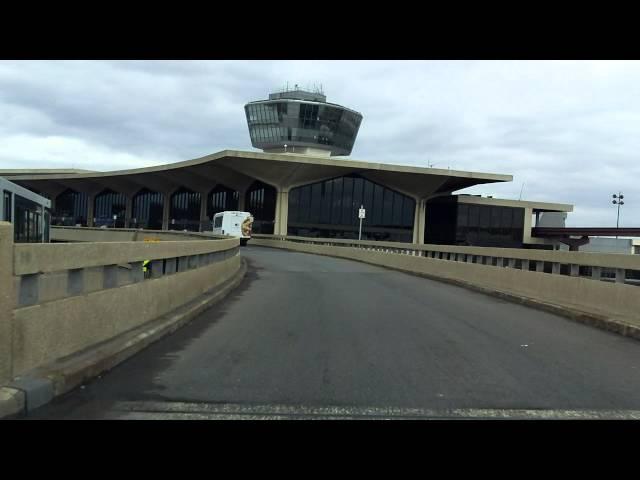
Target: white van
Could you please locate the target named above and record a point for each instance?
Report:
(233, 224)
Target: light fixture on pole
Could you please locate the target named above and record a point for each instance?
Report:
(617, 200)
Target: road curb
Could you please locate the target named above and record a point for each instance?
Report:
(601, 322)
(12, 402)
(40, 386)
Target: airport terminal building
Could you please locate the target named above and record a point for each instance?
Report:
(298, 185)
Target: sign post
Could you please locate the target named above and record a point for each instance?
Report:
(361, 215)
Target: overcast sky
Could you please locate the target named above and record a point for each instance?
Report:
(568, 130)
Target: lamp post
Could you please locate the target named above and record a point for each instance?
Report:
(617, 200)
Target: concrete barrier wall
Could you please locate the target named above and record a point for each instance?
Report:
(603, 260)
(611, 300)
(6, 301)
(88, 234)
(53, 330)
(58, 300)
(43, 257)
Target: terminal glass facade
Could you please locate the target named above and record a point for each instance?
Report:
(26, 210)
(107, 205)
(147, 209)
(222, 199)
(70, 209)
(185, 210)
(260, 201)
(27, 221)
(449, 222)
(330, 209)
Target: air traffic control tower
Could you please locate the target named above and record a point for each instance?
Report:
(302, 122)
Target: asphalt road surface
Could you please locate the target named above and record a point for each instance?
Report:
(307, 336)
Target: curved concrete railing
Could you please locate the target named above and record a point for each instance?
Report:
(59, 300)
(577, 264)
(567, 280)
(91, 234)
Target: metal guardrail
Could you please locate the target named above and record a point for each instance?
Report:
(620, 268)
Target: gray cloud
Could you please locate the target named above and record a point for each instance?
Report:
(570, 131)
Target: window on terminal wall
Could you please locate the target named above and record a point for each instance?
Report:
(330, 208)
(27, 221)
(507, 221)
(485, 221)
(282, 110)
(474, 216)
(463, 215)
(108, 204)
(148, 208)
(70, 208)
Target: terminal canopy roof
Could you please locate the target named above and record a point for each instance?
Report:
(239, 169)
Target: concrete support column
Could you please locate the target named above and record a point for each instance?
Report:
(7, 301)
(575, 270)
(128, 211)
(91, 199)
(525, 265)
(596, 273)
(419, 219)
(555, 268)
(620, 275)
(282, 212)
(512, 263)
(539, 266)
(526, 231)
